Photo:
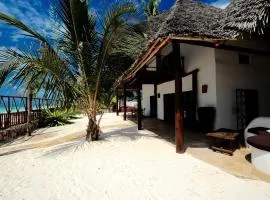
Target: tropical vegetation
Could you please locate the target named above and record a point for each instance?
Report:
(58, 117)
(80, 65)
(151, 7)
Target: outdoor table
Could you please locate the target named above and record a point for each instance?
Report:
(224, 141)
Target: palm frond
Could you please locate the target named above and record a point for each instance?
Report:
(20, 25)
(151, 8)
(47, 73)
(113, 22)
(80, 37)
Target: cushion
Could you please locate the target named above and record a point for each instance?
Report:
(261, 142)
(259, 130)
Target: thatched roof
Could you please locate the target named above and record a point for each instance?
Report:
(152, 26)
(155, 23)
(250, 16)
(193, 18)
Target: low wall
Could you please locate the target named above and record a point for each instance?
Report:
(18, 130)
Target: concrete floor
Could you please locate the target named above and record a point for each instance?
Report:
(197, 145)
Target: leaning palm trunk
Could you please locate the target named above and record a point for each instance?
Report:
(90, 106)
(93, 129)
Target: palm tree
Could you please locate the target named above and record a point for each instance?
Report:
(151, 8)
(73, 69)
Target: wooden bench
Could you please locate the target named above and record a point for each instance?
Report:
(224, 140)
(130, 109)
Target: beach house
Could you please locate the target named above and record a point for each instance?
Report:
(198, 56)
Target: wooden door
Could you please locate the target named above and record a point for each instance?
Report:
(153, 106)
(169, 108)
(247, 107)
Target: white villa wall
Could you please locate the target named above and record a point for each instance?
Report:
(196, 57)
(221, 71)
(147, 92)
(231, 76)
(202, 58)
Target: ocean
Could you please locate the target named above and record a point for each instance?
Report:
(18, 104)
(14, 110)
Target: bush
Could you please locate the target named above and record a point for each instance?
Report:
(57, 117)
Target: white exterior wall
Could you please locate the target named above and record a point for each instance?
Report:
(196, 57)
(221, 71)
(202, 58)
(147, 92)
(231, 76)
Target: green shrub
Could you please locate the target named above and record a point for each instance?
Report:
(57, 117)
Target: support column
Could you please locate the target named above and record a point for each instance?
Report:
(8, 112)
(125, 102)
(179, 125)
(194, 97)
(117, 103)
(139, 111)
(29, 112)
(159, 67)
(156, 99)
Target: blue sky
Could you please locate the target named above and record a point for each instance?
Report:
(37, 14)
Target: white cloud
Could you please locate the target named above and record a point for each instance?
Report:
(3, 7)
(221, 3)
(32, 14)
(16, 36)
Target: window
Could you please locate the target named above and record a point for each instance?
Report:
(243, 59)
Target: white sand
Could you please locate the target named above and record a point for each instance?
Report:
(123, 165)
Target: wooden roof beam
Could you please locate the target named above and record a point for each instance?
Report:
(150, 54)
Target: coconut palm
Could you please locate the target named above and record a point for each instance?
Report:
(73, 68)
(151, 8)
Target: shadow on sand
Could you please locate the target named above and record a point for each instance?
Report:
(25, 138)
(152, 128)
(14, 152)
(123, 135)
(72, 146)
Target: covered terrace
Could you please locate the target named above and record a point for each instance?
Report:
(199, 25)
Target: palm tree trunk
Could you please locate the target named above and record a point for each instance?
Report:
(92, 130)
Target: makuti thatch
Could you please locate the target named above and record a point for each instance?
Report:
(195, 19)
(152, 25)
(248, 16)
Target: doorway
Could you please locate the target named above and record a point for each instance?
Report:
(153, 106)
(247, 107)
(187, 103)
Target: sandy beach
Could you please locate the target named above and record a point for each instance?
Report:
(124, 164)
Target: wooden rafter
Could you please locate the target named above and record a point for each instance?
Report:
(152, 51)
